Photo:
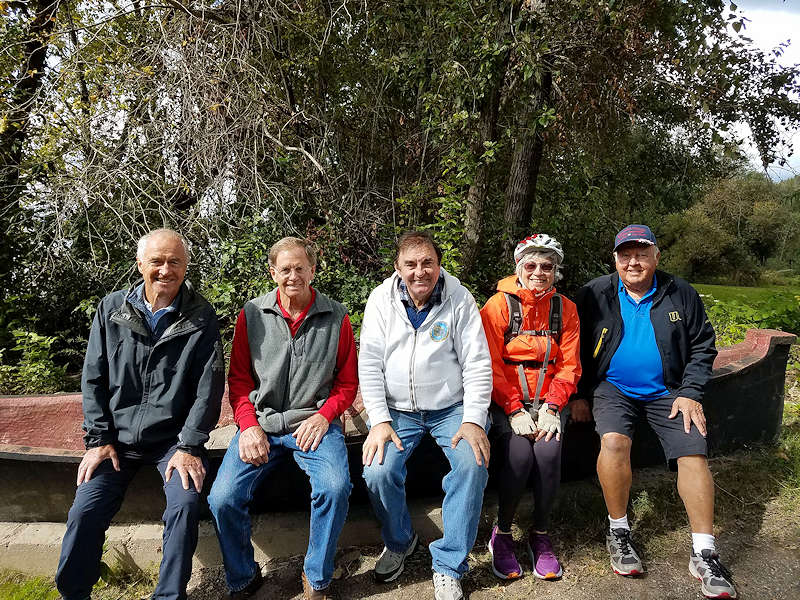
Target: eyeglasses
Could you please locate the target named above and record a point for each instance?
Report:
(639, 256)
(530, 267)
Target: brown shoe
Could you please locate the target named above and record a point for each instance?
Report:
(309, 593)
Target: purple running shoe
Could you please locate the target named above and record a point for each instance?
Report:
(504, 563)
(545, 563)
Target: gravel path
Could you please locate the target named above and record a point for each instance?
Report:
(761, 547)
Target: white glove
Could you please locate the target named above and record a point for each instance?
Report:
(549, 423)
(522, 423)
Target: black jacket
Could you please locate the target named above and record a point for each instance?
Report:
(684, 335)
(143, 392)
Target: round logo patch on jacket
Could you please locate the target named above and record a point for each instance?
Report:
(439, 331)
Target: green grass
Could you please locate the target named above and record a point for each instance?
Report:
(727, 293)
(15, 586)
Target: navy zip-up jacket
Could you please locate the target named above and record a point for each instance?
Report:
(145, 392)
(684, 335)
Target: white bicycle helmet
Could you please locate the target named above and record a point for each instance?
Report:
(538, 241)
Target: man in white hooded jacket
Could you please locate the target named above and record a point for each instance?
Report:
(424, 367)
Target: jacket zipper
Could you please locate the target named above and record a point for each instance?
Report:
(600, 342)
(145, 392)
(411, 374)
(285, 399)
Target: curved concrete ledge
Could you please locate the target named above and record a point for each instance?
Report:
(757, 346)
(743, 405)
(48, 428)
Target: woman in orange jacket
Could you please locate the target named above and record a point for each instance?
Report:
(533, 336)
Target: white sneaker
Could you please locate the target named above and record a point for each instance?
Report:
(446, 588)
(390, 564)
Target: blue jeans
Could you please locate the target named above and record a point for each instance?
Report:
(463, 488)
(96, 503)
(233, 489)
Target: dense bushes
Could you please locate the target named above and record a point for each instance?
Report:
(741, 225)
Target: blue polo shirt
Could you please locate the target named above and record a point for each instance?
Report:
(636, 368)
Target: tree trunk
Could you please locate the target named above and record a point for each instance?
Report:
(476, 195)
(524, 172)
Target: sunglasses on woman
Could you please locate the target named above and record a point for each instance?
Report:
(546, 267)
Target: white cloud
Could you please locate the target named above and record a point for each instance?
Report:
(771, 23)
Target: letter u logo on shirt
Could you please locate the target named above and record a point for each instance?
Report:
(674, 316)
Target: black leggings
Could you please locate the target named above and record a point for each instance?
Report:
(524, 459)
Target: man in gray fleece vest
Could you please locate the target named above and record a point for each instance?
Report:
(292, 374)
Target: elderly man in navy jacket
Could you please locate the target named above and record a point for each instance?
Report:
(152, 383)
(647, 350)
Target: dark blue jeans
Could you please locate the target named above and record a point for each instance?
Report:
(96, 503)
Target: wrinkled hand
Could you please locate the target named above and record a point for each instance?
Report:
(254, 446)
(692, 413)
(522, 424)
(475, 437)
(548, 424)
(92, 459)
(376, 441)
(311, 432)
(579, 411)
(187, 466)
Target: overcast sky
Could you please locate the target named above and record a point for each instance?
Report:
(771, 23)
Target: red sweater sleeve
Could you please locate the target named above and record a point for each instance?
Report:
(345, 384)
(240, 377)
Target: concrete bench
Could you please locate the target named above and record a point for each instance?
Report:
(41, 440)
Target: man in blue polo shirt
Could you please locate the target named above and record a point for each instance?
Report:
(647, 349)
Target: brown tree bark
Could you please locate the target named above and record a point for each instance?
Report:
(477, 193)
(524, 172)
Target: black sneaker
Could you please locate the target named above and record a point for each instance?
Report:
(624, 558)
(250, 589)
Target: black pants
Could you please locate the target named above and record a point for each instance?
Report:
(522, 460)
(96, 503)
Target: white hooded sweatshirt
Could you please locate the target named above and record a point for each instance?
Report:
(443, 362)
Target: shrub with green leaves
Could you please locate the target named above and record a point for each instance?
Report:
(732, 315)
(34, 371)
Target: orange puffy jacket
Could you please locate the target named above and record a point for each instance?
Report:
(562, 377)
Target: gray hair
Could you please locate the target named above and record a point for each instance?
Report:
(541, 254)
(142, 243)
(293, 242)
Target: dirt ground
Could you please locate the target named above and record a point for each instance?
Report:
(760, 543)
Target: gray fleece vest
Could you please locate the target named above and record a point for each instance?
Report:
(293, 376)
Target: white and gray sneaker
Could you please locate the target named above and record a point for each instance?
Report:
(446, 587)
(390, 564)
(715, 579)
(624, 558)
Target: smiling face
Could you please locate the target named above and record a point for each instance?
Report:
(293, 273)
(162, 263)
(419, 267)
(636, 264)
(537, 273)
